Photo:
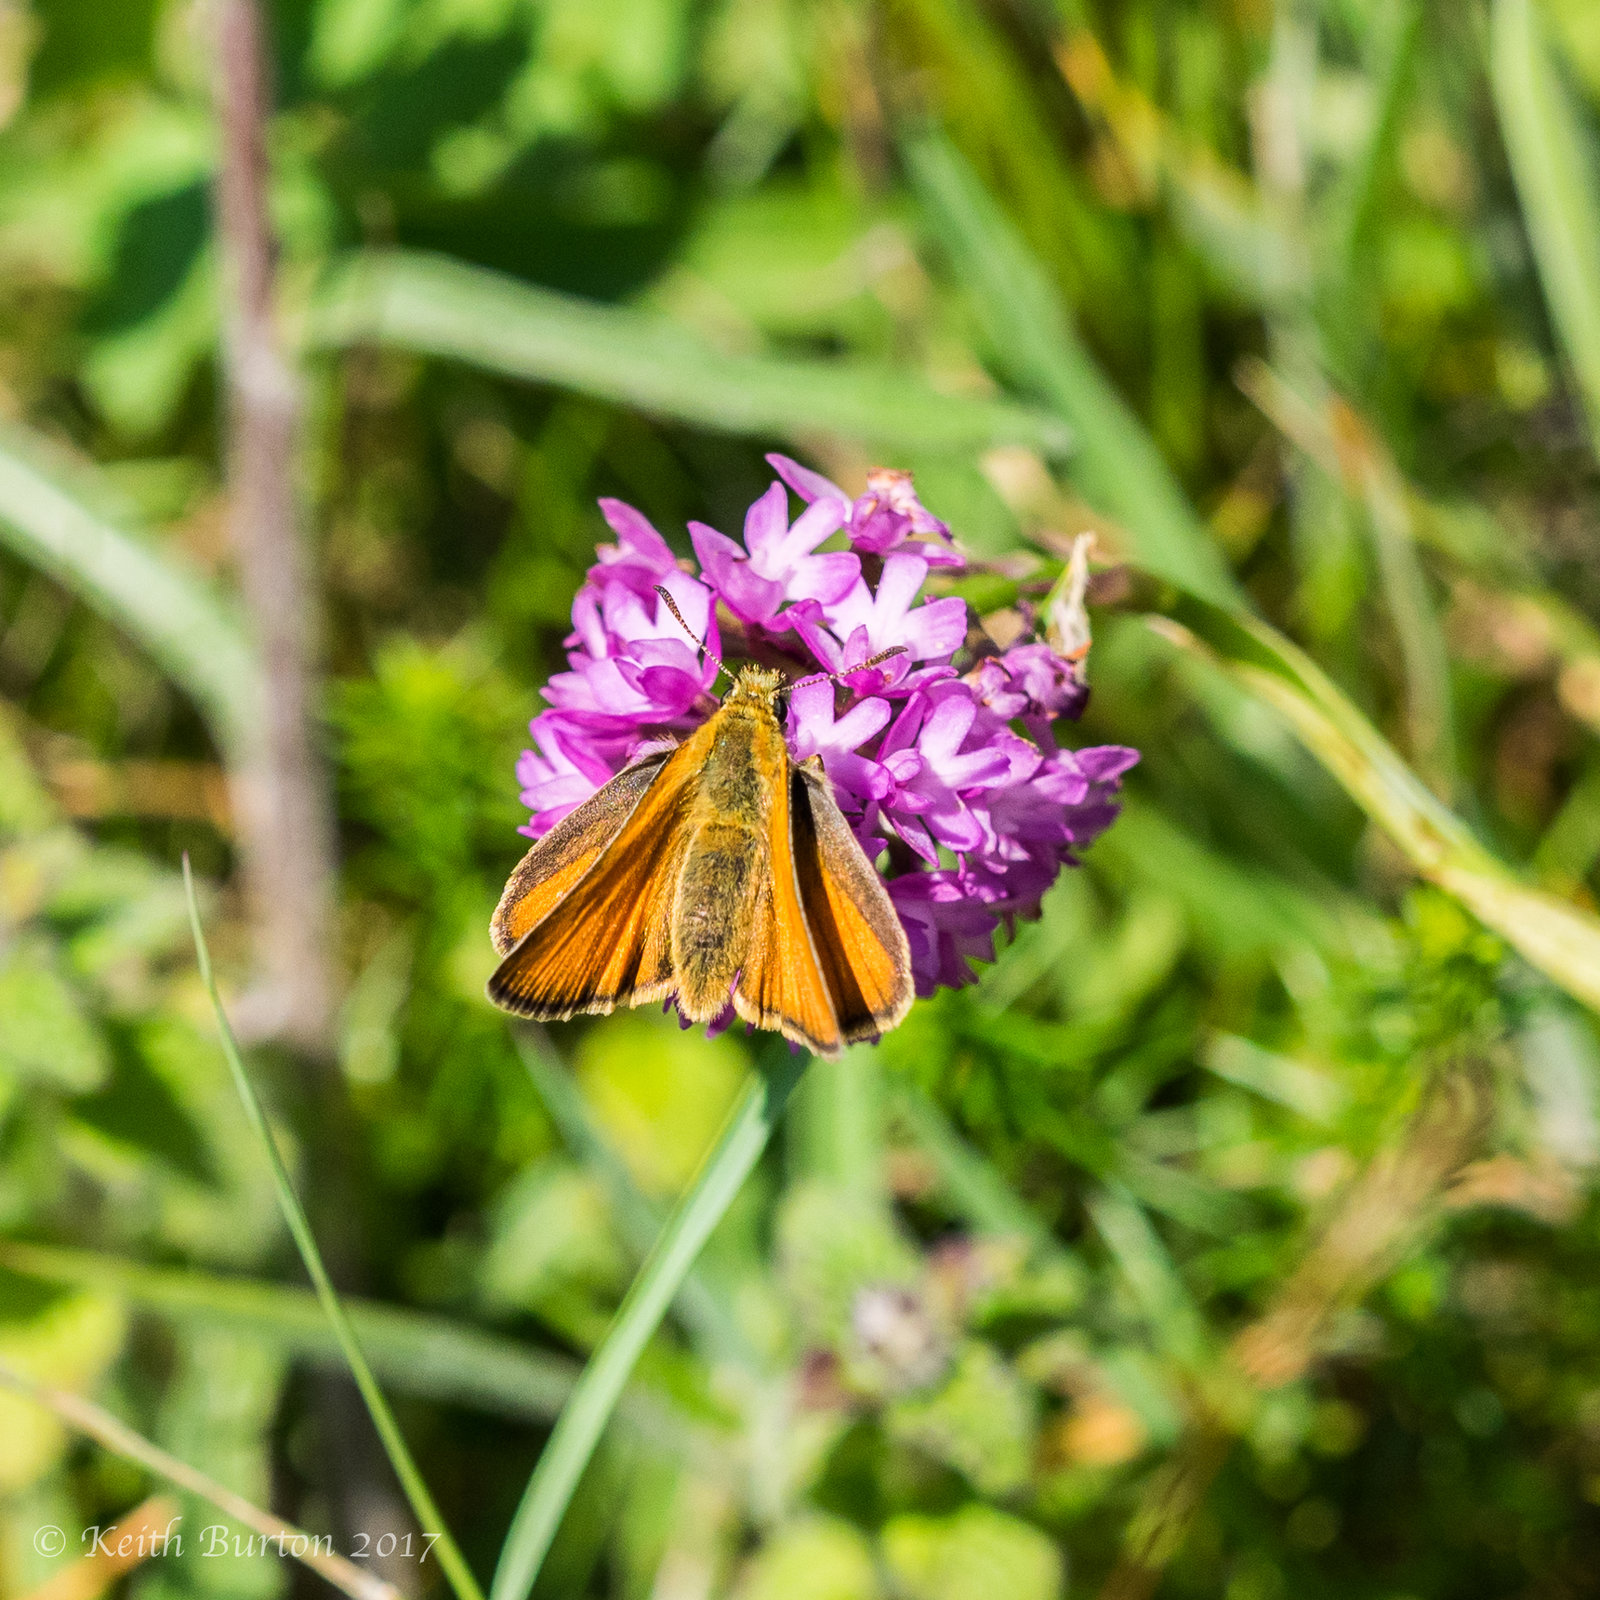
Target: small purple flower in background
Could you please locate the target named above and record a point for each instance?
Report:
(881, 520)
(952, 782)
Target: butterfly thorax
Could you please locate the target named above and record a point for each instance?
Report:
(744, 757)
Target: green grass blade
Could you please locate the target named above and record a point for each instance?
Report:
(637, 358)
(420, 1354)
(836, 1126)
(451, 1562)
(744, 1136)
(1146, 1265)
(193, 634)
(1115, 462)
(1551, 162)
(1345, 447)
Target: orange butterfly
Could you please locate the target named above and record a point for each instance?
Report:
(719, 865)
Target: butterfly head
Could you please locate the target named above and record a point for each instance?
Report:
(754, 685)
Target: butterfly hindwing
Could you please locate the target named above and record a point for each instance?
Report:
(855, 929)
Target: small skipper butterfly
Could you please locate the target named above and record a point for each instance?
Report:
(720, 866)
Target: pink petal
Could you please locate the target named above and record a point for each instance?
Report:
(807, 484)
(936, 629)
(811, 527)
(903, 576)
(765, 524)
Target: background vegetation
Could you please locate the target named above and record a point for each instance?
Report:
(1236, 1233)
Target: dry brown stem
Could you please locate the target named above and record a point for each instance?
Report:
(285, 819)
(114, 1435)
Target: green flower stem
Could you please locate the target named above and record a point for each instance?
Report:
(451, 1561)
(583, 1420)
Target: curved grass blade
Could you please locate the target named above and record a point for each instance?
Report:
(744, 1136)
(192, 633)
(441, 307)
(1126, 475)
(451, 1561)
(1553, 167)
(1562, 941)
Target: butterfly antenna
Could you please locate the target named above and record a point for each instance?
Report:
(672, 606)
(860, 666)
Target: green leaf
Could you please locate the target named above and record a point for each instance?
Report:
(136, 1108)
(548, 1233)
(832, 1242)
(440, 307)
(819, 1558)
(1552, 163)
(660, 1093)
(46, 1037)
(981, 1421)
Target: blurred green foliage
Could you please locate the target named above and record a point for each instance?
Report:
(1313, 285)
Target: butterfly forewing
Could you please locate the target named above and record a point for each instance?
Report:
(603, 942)
(561, 858)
